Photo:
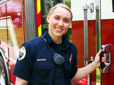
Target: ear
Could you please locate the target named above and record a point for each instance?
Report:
(48, 17)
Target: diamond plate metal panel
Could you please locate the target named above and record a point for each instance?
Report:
(30, 19)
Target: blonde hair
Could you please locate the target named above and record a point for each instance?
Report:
(61, 5)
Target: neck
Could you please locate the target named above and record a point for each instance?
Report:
(57, 40)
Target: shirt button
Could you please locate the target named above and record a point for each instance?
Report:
(57, 70)
(41, 67)
(56, 84)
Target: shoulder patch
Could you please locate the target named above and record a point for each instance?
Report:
(22, 53)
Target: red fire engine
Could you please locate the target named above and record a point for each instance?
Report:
(92, 27)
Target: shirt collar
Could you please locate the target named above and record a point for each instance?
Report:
(48, 38)
(65, 42)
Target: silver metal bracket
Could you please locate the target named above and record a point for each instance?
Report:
(86, 62)
(91, 7)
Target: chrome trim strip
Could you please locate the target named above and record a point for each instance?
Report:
(3, 54)
(85, 8)
(98, 28)
(85, 35)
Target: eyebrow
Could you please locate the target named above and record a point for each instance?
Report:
(60, 16)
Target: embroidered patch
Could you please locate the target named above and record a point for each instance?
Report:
(22, 53)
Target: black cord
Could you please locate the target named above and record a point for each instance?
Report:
(45, 40)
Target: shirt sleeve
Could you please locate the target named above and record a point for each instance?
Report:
(23, 65)
(74, 65)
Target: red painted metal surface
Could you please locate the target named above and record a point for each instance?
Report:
(38, 16)
(107, 32)
(107, 36)
(78, 40)
(13, 9)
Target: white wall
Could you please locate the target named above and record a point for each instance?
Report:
(106, 9)
(78, 13)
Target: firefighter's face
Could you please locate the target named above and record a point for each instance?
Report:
(59, 22)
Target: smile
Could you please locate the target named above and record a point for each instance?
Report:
(58, 29)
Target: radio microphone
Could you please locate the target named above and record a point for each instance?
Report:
(58, 59)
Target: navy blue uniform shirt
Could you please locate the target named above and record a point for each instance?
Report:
(36, 65)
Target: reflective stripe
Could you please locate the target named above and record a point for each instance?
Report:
(39, 17)
(39, 30)
(38, 6)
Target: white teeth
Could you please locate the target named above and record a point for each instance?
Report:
(59, 29)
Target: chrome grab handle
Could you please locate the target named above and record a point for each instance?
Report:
(106, 66)
(85, 8)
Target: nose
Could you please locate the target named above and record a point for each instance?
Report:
(60, 23)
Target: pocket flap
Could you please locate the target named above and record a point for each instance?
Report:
(42, 65)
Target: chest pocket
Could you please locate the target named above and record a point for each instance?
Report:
(42, 72)
(42, 65)
(43, 61)
(67, 69)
